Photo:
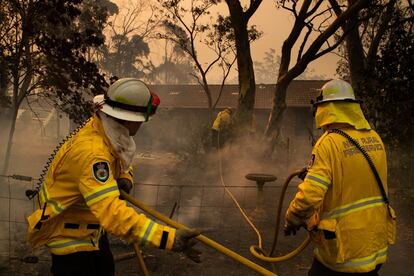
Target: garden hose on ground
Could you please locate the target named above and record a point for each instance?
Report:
(141, 262)
(201, 238)
(257, 250)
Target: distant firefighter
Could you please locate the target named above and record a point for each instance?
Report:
(79, 199)
(221, 127)
(343, 199)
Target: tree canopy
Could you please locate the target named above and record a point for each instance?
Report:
(382, 73)
(43, 46)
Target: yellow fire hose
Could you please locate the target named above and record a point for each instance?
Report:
(141, 262)
(201, 238)
(256, 251)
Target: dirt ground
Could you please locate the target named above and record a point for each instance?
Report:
(178, 170)
(215, 263)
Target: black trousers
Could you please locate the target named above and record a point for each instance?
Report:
(87, 263)
(319, 269)
(214, 139)
(219, 138)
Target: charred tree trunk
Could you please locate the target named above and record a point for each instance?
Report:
(360, 63)
(209, 99)
(20, 88)
(279, 102)
(356, 57)
(313, 52)
(284, 78)
(3, 81)
(247, 83)
(13, 118)
(10, 140)
(17, 100)
(278, 107)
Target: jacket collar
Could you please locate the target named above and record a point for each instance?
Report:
(97, 125)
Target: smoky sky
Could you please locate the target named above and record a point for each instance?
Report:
(275, 25)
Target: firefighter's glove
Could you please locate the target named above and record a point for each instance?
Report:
(184, 242)
(290, 228)
(303, 173)
(292, 224)
(124, 184)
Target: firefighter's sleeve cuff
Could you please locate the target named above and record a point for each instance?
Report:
(128, 175)
(164, 238)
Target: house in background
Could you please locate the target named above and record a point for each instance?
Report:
(182, 122)
(183, 114)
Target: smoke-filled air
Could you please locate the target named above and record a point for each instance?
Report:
(206, 137)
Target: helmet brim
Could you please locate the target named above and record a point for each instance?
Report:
(117, 112)
(337, 100)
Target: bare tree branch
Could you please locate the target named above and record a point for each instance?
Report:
(254, 5)
(305, 39)
(226, 73)
(197, 78)
(330, 48)
(336, 24)
(315, 8)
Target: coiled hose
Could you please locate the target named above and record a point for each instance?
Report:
(258, 251)
(255, 250)
(201, 238)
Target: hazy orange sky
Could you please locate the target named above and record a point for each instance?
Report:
(275, 25)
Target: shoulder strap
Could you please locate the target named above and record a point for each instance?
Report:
(371, 164)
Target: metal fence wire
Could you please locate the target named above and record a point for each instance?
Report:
(206, 206)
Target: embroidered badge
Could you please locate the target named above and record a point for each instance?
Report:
(101, 171)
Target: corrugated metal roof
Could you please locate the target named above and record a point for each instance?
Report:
(299, 94)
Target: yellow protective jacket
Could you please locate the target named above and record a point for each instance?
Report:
(80, 197)
(340, 198)
(222, 120)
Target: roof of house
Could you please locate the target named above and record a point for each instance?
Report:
(299, 94)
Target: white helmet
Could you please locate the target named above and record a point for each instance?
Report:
(336, 90)
(128, 99)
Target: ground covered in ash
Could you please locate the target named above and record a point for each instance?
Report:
(176, 169)
(239, 238)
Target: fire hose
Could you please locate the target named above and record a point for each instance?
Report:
(201, 238)
(255, 250)
(258, 252)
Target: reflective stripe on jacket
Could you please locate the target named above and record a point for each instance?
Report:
(341, 199)
(80, 192)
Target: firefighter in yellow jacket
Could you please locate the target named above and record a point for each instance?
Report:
(340, 201)
(221, 127)
(79, 199)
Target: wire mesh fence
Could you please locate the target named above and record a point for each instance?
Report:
(208, 207)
